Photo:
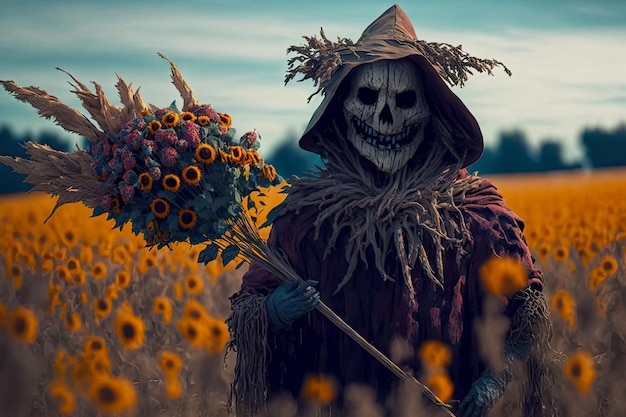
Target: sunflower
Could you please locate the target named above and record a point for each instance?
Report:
(116, 207)
(95, 345)
(205, 154)
(434, 354)
(172, 388)
(147, 260)
(225, 120)
(579, 369)
(193, 310)
(162, 305)
(188, 116)
(122, 279)
(194, 284)
(22, 325)
(62, 396)
(102, 306)
(170, 119)
(112, 394)
(130, 329)
(191, 174)
(73, 264)
(178, 290)
(72, 320)
(47, 265)
(609, 265)
(503, 276)
(217, 335)
(171, 182)
(170, 362)
(237, 155)
(68, 236)
(597, 276)
(61, 363)
(86, 254)
(560, 253)
(318, 389)
(564, 305)
(160, 207)
(79, 278)
(194, 331)
(153, 126)
(145, 181)
(112, 291)
(99, 270)
(441, 385)
(204, 120)
(268, 171)
(187, 218)
(255, 157)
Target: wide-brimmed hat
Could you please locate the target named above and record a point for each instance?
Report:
(391, 36)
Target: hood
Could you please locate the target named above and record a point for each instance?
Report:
(392, 37)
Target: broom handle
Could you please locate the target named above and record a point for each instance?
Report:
(379, 356)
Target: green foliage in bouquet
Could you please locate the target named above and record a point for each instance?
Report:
(179, 175)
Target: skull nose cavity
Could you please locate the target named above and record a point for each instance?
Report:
(385, 115)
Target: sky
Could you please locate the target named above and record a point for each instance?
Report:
(567, 58)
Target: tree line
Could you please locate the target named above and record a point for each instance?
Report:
(602, 148)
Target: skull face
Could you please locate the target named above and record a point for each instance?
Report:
(386, 112)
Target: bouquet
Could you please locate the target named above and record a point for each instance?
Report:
(174, 175)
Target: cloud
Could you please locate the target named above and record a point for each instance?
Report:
(562, 79)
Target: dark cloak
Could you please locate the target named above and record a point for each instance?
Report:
(376, 308)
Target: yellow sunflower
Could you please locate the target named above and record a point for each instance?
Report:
(170, 362)
(434, 354)
(122, 279)
(191, 174)
(441, 385)
(160, 207)
(187, 218)
(205, 154)
(564, 305)
(319, 389)
(22, 325)
(112, 394)
(99, 270)
(62, 396)
(503, 276)
(130, 329)
(145, 181)
(579, 369)
(194, 284)
(171, 182)
(193, 330)
(170, 119)
(162, 305)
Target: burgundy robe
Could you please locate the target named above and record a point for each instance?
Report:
(377, 310)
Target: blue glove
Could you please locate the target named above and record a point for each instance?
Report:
(291, 301)
(485, 392)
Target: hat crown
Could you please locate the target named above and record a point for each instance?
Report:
(392, 24)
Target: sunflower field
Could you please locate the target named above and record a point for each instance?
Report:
(94, 323)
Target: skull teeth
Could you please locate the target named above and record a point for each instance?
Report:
(387, 142)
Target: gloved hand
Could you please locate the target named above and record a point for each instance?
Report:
(290, 301)
(485, 392)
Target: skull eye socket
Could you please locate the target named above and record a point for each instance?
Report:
(406, 99)
(367, 96)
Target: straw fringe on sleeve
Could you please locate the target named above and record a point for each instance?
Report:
(248, 326)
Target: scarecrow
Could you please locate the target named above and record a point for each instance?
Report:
(390, 233)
